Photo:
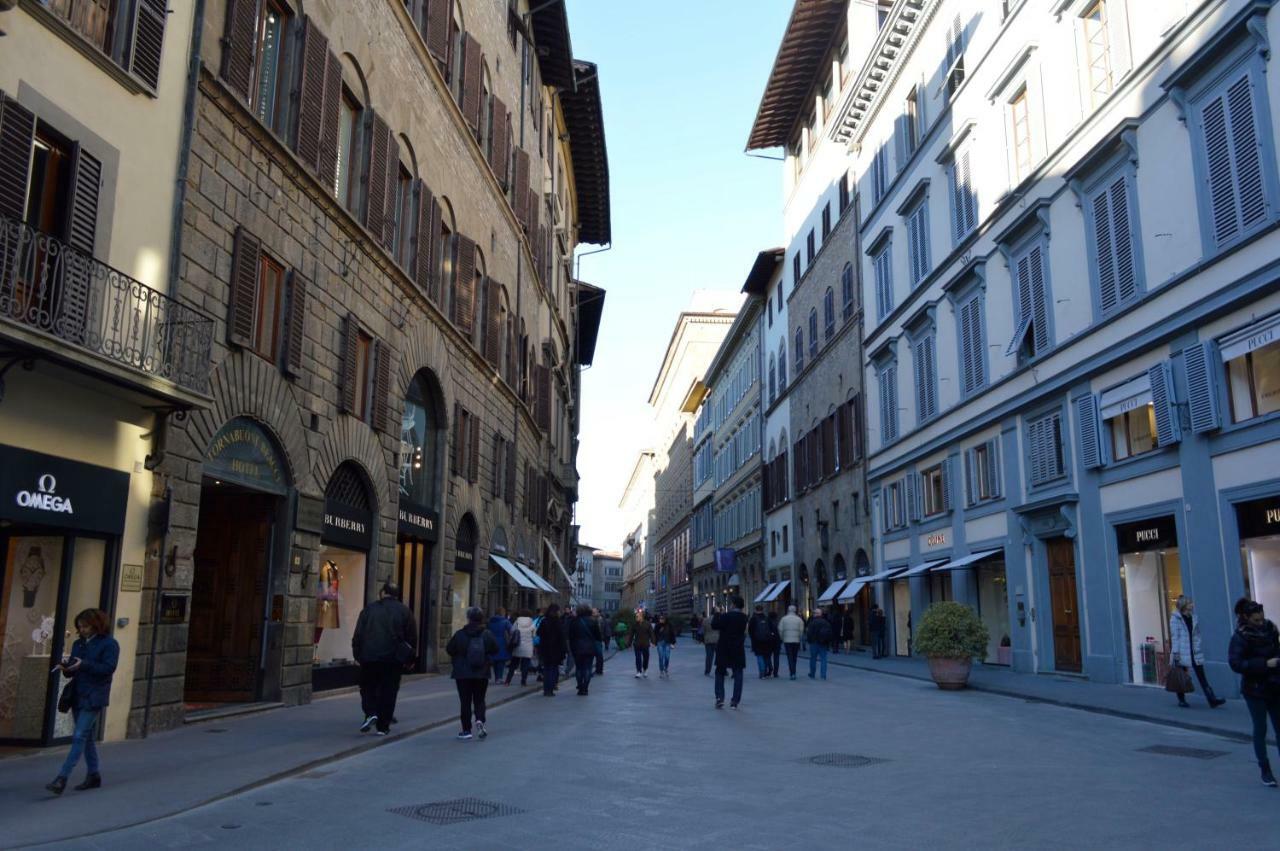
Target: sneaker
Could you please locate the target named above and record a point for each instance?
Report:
(368, 723)
(1268, 779)
(383, 733)
(464, 736)
(793, 676)
(733, 706)
(637, 675)
(719, 704)
(481, 730)
(646, 675)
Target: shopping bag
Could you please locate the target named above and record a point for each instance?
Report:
(1178, 681)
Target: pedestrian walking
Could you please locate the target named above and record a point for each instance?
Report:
(604, 636)
(710, 639)
(521, 647)
(1254, 654)
(551, 648)
(584, 637)
(569, 661)
(731, 655)
(641, 640)
(876, 622)
(501, 629)
(1184, 631)
(775, 645)
(761, 640)
(384, 642)
(819, 635)
(472, 650)
(695, 627)
(89, 665)
(790, 633)
(666, 638)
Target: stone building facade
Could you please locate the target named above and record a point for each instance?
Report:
(674, 487)
(381, 207)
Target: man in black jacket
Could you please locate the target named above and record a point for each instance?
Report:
(584, 638)
(731, 654)
(383, 643)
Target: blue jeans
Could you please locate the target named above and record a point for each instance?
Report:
(499, 666)
(737, 685)
(584, 671)
(599, 657)
(550, 676)
(762, 662)
(664, 656)
(710, 650)
(642, 658)
(82, 741)
(816, 652)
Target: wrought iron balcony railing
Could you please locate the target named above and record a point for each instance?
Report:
(50, 286)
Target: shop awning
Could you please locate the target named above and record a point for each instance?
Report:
(832, 590)
(760, 597)
(1127, 397)
(851, 590)
(556, 557)
(514, 572)
(923, 568)
(777, 590)
(541, 584)
(885, 575)
(967, 561)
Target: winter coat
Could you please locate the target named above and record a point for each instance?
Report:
(501, 629)
(665, 633)
(524, 650)
(1250, 649)
(791, 628)
(382, 627)
(1184, 643)
(760, 635)
(876, 622)
(641, 635)
(551, 642)
(458, 649)
(730, 651)
(710, 635)
(583, 635)
(98, 659)
(819, 631)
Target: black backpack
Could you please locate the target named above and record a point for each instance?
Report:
(477, 656)
(760, 631)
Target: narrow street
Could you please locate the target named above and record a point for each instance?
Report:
(651, 763)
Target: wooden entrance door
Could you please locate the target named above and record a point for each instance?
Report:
(1062, 599)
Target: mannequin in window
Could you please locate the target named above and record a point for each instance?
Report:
(327, 598)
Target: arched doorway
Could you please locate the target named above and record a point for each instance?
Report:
(464, 567)
(422, 441)
(345, 574)
(244, 485)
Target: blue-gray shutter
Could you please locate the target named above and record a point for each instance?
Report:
(946, 484)
(1201, 361)
(1168, 428)
(1039, 299)
(913, 497)
(993, 467)
(970, 486)
(1090, 432)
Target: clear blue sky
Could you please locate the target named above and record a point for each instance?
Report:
(680, 83)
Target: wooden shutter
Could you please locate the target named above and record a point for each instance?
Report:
(391, 218)
(946, 484)
(330, 116)
(493, 323)
(1201, 361)
(312, 87)
(500, 144)
(464, 301)
(520, 190)
(993, 467)
(829, 446)
(970, 484)
(1032, 284)
(439, 18)
(17, 136)
(1237, 195)
(82, 214)
(798, 469)
(148, 40)
(238, 45)
(242, 307)
(382, 418)
(426, 271)
(1164, 403)
(473, 451)
(1090, 431)
(296, 323)
(375, 175)
(347, 392)
(913, 500)
(534, 213)
(509, 497)
(542, 408)
(455, 453)
(471, 85)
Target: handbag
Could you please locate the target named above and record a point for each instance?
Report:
(404, 653)
(67, 700)
(513, 640)
(1179, 681)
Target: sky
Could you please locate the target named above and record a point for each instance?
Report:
(680, 83)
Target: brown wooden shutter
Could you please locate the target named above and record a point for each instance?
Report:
(520, 187)
(375, 176)
(17, 136)
(534, 212)
(311, 84)
(472, 59)
(510, 496)
(473, 451)
(350, 341)
(464, 301)
(423, 237)
(245, 265)
(148, 40)
(238, 44)
(82, 214)
(499, 147)
(296, 323)
(439, 17)
(391, 219)
(381, 405)
(330, 116)
(493, 323)
(542, 412)
(456, 449)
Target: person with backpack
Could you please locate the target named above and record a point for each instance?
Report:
(520, 641)
(819, 635)
(666, 636)
(550, 642)
(584, 637)
(790, 632)
(501, 629)
(384, 643)
(641, 641)
(761, 640)
(472, 650)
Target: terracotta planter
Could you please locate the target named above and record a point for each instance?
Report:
(950, 674)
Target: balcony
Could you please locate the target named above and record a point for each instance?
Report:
(59, 303)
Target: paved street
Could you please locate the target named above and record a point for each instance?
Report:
(651, 763)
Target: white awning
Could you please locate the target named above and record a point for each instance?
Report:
(923, 568)
(967, 561)
(851, 590)
(1249, 339)
(542, 584)
(514, 572)
(760, 597)
(1127, 397)
(832, 589)
(777, 590)
(567, 576)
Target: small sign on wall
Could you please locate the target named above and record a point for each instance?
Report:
(131, 577)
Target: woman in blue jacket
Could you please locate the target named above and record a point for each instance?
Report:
(90, 666)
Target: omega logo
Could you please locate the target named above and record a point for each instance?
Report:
(45, 498)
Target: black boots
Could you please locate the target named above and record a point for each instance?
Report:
(1214, 700)
(93, 781)
(58, 786)
(1268, 779)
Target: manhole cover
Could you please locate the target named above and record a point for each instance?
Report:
(1175, 750)
(457, 811)
(845, 760)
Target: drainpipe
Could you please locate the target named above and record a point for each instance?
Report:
(184, 147)
(161, 569)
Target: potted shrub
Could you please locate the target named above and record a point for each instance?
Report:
(951, 636)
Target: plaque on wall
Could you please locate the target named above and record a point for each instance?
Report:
(173, 608)
(131, 577)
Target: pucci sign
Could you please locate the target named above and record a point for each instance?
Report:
(53, 491)
(45, 497)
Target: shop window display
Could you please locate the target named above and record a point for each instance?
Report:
(1254, 381)
(1150, 582)
(340, 594)
(993, 608)
(902, 617)
(1259, 527)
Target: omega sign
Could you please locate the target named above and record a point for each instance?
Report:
(45, 497)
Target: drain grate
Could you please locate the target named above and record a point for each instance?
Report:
(845, 760)
(1176, 750)
(456, 811)
(216, 730)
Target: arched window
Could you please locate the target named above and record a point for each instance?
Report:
(846, 290)
(799, 354)
(404, 206)
(479, 304)
(829, 313)
(773, 379)
(421, 443)
(446, 250)
(351, 132)
(813, 332)
(782, 367)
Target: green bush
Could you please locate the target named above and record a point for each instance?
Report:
(951, 631)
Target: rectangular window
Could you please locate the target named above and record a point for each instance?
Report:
(50, 187)
(918, 240)
(1097, 43)
(926, 373)
(363, 373)
(1114, 243)
(403, 228)
(964, 204)
(933, 491)
(269, 87)
(844, 193)
(955, 56)
(1133, 432)
(1044, 443)
(888, 379)
(1253, 382)
(973, 360)
(982, 472)
(883, 262)
(911, 123)
(346, 183)
(270, 303)
(1031, 336)
(810, 249)
(795, 270)
(1020, 116)
(880, 174)
(826, 222)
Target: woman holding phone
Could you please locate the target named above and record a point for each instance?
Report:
(90, 666)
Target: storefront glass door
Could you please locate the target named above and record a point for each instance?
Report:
(1150, 583)
(993, 608)
(902, 617)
